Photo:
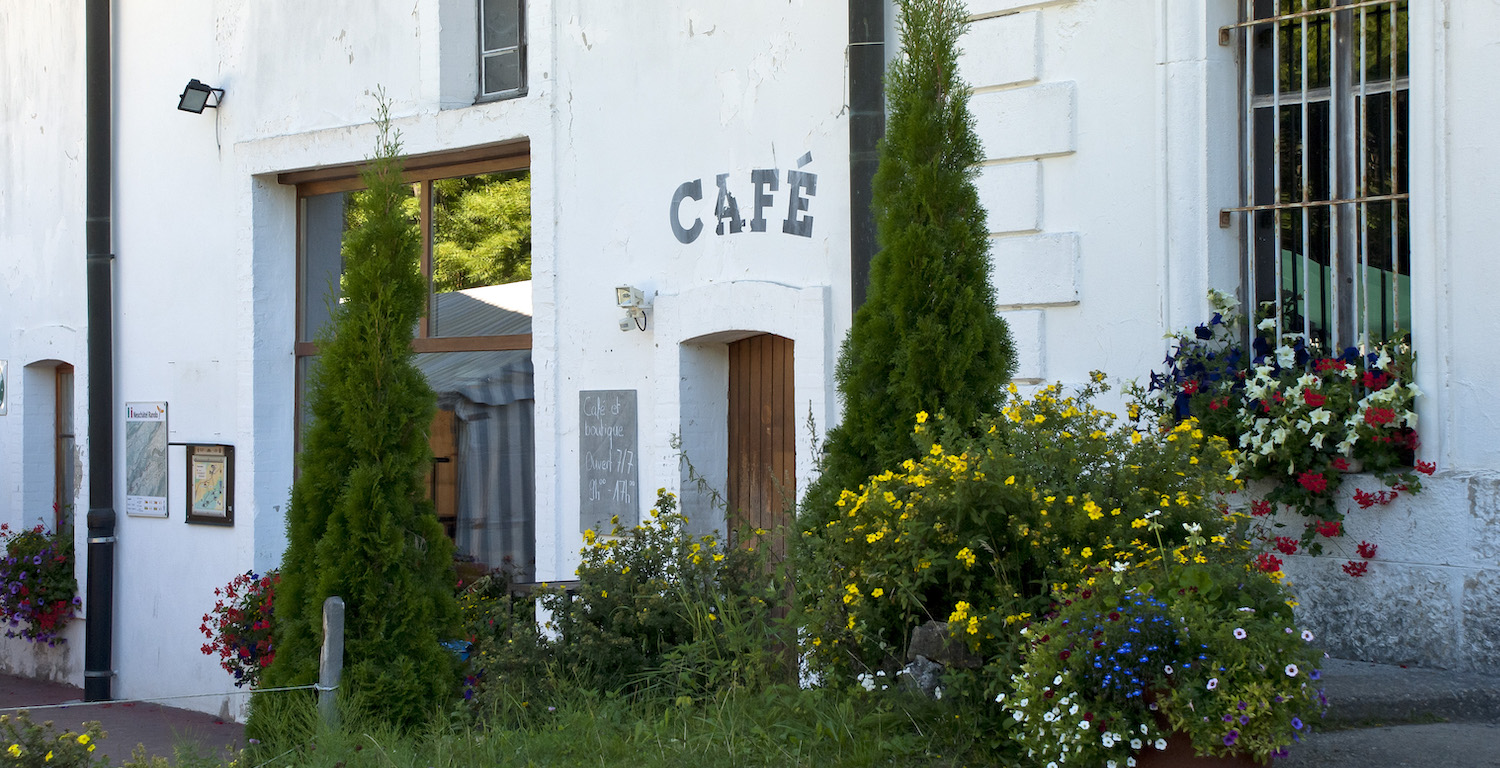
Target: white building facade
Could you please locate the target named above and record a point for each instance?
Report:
(700, 153)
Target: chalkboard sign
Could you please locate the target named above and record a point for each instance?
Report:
(607, 444)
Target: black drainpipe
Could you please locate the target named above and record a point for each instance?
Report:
(98, 639)
(866, 126)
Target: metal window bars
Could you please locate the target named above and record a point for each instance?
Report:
(1324, 99)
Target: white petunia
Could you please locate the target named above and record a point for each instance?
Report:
(1135, 744)
(1319, 415)
(1317, 440)
(1307, 635)
(1267, 324)
(1057, 680)
(1161, 743)
(1239, 633)
(1291, 670)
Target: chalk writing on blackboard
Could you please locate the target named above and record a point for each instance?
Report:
(608, 472)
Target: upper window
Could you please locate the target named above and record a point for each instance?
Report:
(502, 48)
(1325, 109)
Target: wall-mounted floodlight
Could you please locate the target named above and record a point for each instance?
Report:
(634, 303)
(195, 97)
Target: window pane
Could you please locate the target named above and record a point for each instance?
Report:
(481, 255)
(483, 481)
(322, 260)
(502, 71)
(501, 24)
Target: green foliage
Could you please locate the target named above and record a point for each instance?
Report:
(481, 232)
(927, 337)
(358, 524)
(656, 613)
(982, 531)
(781, 725)
(27, 744)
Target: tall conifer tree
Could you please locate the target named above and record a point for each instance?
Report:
(927, 337)
(359, 525)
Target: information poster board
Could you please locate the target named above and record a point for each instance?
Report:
(210, 484)
(146, 459)
(608, 473)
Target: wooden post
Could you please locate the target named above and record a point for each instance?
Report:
(331, 662)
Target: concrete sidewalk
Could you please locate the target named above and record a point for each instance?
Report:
(158, 728)
(1383, 716)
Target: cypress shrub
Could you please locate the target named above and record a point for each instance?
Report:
(927, 338)
(359, 525)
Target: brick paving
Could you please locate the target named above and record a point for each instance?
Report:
(159, 728)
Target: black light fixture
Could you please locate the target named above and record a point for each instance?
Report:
(195, 97)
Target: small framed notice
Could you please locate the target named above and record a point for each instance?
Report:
(210, 484)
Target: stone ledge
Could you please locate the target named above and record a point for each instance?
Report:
(1362, 693)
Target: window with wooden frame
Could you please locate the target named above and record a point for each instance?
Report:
(473, 211)
(1325, 181)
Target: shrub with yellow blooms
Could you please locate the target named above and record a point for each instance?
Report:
(982, 531)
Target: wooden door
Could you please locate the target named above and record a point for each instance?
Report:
(762, 483)
(442, 483)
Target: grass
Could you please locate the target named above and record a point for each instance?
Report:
(779, 726)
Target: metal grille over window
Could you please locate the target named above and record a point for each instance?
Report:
(502, 53)
(1326, 196)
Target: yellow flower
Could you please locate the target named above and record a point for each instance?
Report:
(1039, 418)
(84, 739)
(1094, 510)
(817, 641)
(1135, 438)
(877, 592)
(937, 449)
(48, 758)
(1010, 480)
(973, 625)
(719, 557)
(966, 556)
(1086, 553)
(921, 417)
(604, 593)
(15, 750)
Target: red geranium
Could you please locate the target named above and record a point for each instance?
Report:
(1260, 508)
(1426, 467)
(1356, 569)
(1268, 562)
(1379, 416)
(1313, 398)
(1314, 482)
(1366, 549)
(1329, 528)
(1286, 545)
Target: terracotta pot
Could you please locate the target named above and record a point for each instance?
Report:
(1179, 754)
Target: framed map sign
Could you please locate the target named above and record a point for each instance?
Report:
(210, 484)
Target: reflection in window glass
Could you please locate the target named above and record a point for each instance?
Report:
(484, 468)
(481, 254)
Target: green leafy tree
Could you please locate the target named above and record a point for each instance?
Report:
(927, 338)
(358, 524)
(483, 231)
